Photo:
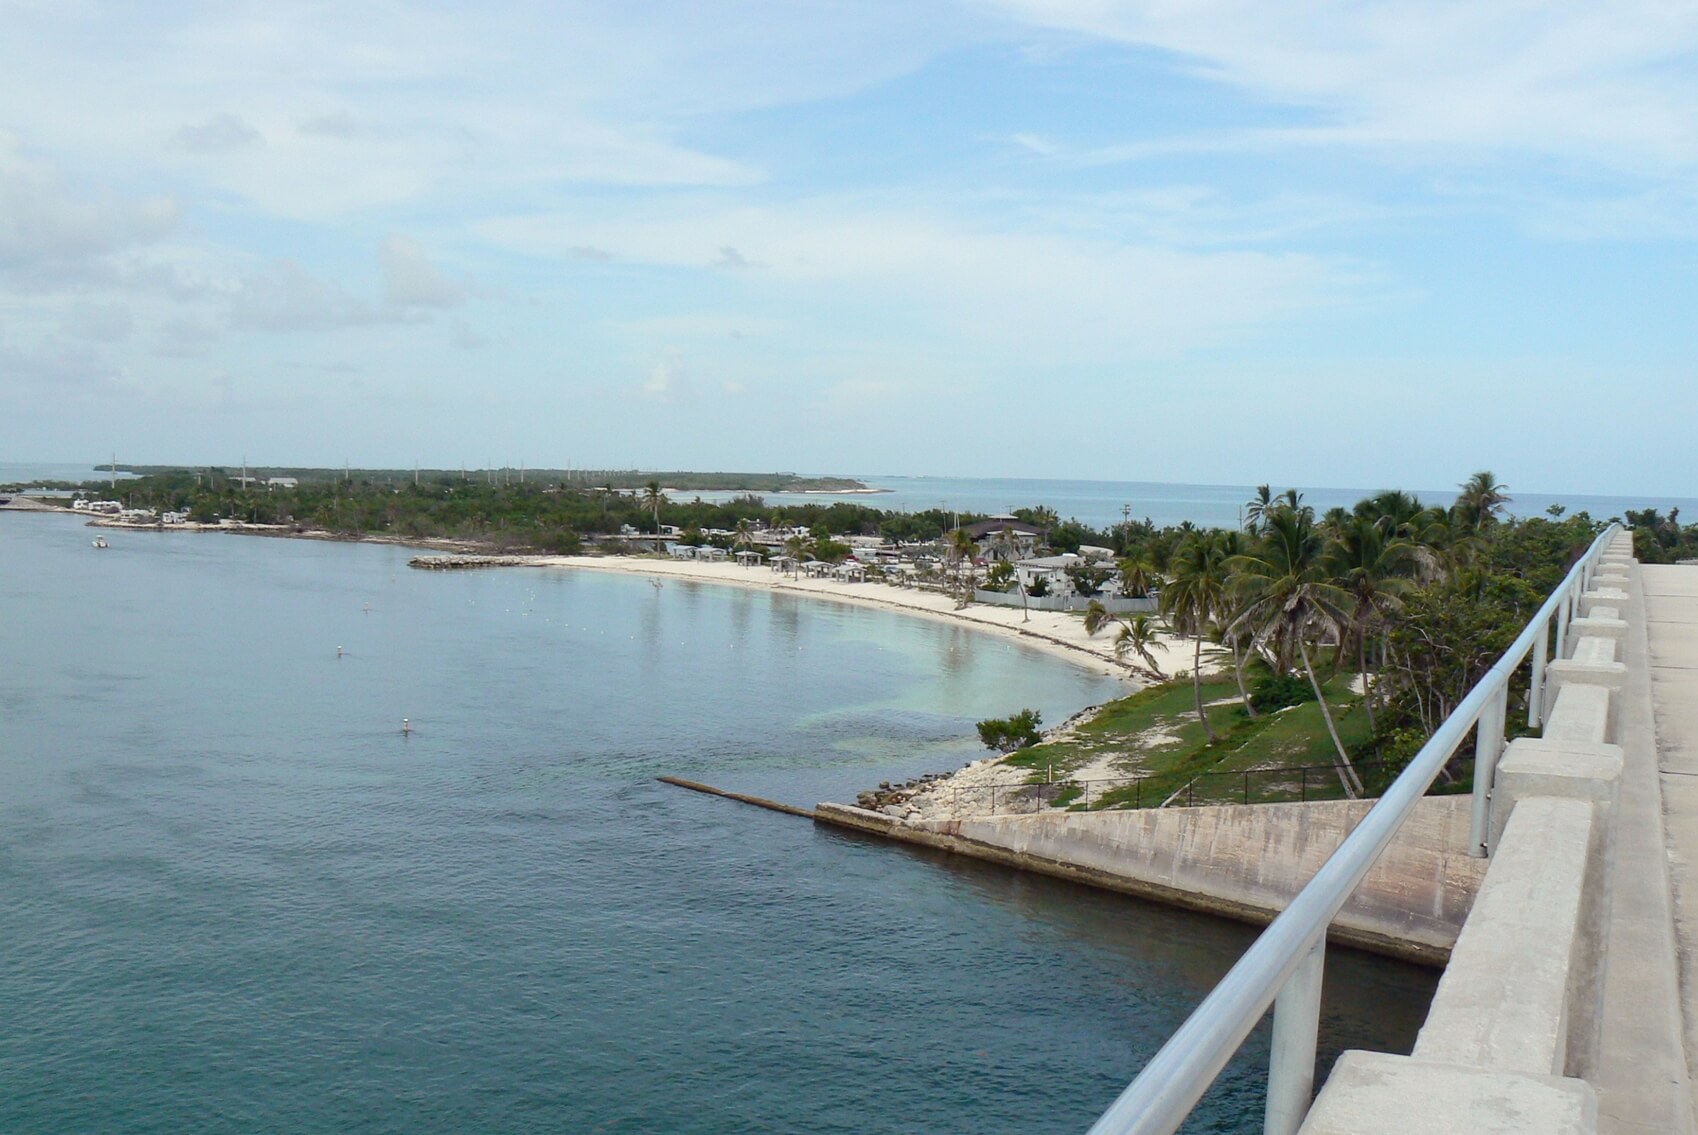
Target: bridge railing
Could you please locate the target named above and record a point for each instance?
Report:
(1283, 967)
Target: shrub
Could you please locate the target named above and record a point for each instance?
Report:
(1276, 691)
(1006, 734)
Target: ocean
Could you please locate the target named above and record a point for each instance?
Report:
(1103, 504)
(238, 898)
(1097, 504)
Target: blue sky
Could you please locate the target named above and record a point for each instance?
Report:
(1318, 243)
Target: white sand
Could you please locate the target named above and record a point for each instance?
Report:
(1059, 633)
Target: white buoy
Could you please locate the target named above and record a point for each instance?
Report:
(339, 652)
(406, 726)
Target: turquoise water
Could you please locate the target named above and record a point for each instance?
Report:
(237, 899)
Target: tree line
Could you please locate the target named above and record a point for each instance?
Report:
(1418, 601)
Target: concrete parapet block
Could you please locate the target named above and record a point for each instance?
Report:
(1607, 579)
(1611, 675)
(1603, 597)
(1592, 650)
(1579, 714)
(1374, 1093)
(1503, 1003)
(1603, 622)
(1571, 770)
(1534, 769)
(1617, 559)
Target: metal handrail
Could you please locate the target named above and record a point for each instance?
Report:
(1294, 944)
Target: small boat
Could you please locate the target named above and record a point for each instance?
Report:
(100, 542)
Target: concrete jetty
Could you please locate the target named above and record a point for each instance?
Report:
(1241, 861)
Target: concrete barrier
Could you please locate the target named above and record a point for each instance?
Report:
(1372, 1093)
(1603, 622)
(1602, 597)
(1580, 715)
(1241, 861)
(1593, 662)
(1515, 1026)
(1503, 1002)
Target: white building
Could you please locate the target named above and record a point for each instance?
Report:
(1051, 569)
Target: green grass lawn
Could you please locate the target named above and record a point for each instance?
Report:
(1155, 735)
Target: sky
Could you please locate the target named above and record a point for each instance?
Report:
(1310, 243)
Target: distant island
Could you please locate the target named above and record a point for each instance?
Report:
(675, 481)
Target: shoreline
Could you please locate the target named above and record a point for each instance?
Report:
(1058, 634)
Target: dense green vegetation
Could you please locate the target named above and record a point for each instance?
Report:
(627, 479)
(1360, 630)
(1659, 539)
(1006, 734)
(533, 515)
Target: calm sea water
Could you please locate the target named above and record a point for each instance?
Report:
(237, 899)
(1099, 504)
(1102, 504)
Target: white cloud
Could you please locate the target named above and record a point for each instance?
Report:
(1614, 84)
(51, 235)
(284, 297)
(218, 134)
(666, 381)
(997, 291)
(411, 280)
(101, 322)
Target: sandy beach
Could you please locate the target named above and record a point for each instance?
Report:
(1058, 633)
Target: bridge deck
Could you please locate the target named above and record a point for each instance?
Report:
(1670, 598)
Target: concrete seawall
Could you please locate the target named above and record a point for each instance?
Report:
(1244, 862)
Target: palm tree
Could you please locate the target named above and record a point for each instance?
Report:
(653, 498)
(1193, 598)
(961, 548)
(1376, 570)
(1256, 508)
(1286, 599)
(1137, 637)
(1233, 544)
(1481, 499)
(1097, 617)
(1137, 575)
(743, 536)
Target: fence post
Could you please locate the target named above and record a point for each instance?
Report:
(1138, 793)
(1488, 744)
(1303, 793)
(1536, 684)
(1189, 785)
(1291, 1064)
(1246, 786)
(993, 799)
(1562, 625)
